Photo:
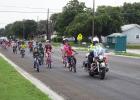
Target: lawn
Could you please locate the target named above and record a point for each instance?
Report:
(133, 46)
(15, 87)
(128, 54)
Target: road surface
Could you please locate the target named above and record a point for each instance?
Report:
(121, 83)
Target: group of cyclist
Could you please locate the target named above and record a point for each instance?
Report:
(40, 50)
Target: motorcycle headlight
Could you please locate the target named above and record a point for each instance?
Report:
(102, 64)
(93, 59)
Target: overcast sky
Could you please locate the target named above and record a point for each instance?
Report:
(53, 5)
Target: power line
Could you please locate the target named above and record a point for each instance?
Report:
(23, 12)
(21, 7)
(26, 7)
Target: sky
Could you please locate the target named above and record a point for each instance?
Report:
(42, 6)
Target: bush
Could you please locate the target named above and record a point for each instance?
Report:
(57, 39)
(43, 40)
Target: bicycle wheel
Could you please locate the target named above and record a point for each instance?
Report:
(74, 68)
(50, 65)
(74, 65)
(70, 68)
(37, 66)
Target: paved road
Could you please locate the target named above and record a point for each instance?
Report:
(121, 83)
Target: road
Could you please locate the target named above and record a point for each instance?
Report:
(121, 83)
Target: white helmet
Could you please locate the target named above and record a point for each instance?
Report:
(95, 39)
(47, 41)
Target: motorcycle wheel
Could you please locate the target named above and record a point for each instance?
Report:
(22, 55)
(102, 74)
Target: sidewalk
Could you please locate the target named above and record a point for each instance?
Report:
(135, 51)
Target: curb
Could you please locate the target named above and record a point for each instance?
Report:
(40, 85)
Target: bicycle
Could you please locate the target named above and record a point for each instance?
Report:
(36, 63)
(14, 49)
(65, 61)
(72, 63)
(48, 60)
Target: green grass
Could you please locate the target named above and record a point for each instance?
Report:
(56, 44)
(14, 87)
(128, 54)
(78, 47)
(133, 46)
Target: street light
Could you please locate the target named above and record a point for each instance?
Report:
(93, 19)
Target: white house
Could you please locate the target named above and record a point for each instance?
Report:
(132, 31)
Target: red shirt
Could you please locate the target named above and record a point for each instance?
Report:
(69, 52)
(48, 47)
(30, 44)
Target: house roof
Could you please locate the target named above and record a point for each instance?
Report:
(129, 26)
(116, 35)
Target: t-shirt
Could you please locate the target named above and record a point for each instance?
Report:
(69, 52)
(30, 44)
(65, 48)
(48, 47)
(23, 46)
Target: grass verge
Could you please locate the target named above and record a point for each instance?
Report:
(133, 46)
(14, 87)
(128, 54)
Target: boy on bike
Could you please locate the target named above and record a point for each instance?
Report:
(35, 55)
(69, 53)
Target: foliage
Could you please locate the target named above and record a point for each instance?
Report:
(73, 8)
(131, 13)
(81, 24)
(57, 39)
(29, 28)
(77, 18)
(108, 20)
(23, 29)
(1, 31)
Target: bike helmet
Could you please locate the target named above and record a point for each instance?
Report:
(95, 40)
(40, 44)
(48, 41)
(64, 40)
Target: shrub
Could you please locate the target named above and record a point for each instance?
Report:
(57, 39)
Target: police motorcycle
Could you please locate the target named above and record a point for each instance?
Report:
(97, 67)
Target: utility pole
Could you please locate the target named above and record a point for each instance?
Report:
(38, 34)
(47, 26)
(93, 19)
(23, 30)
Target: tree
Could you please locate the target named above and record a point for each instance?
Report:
(23, 29)
(73, 8)
(81, 24)
(8, 30)
(17, 29)
(29, 28)
(131, 13)
(2, 32)
(108, 20)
